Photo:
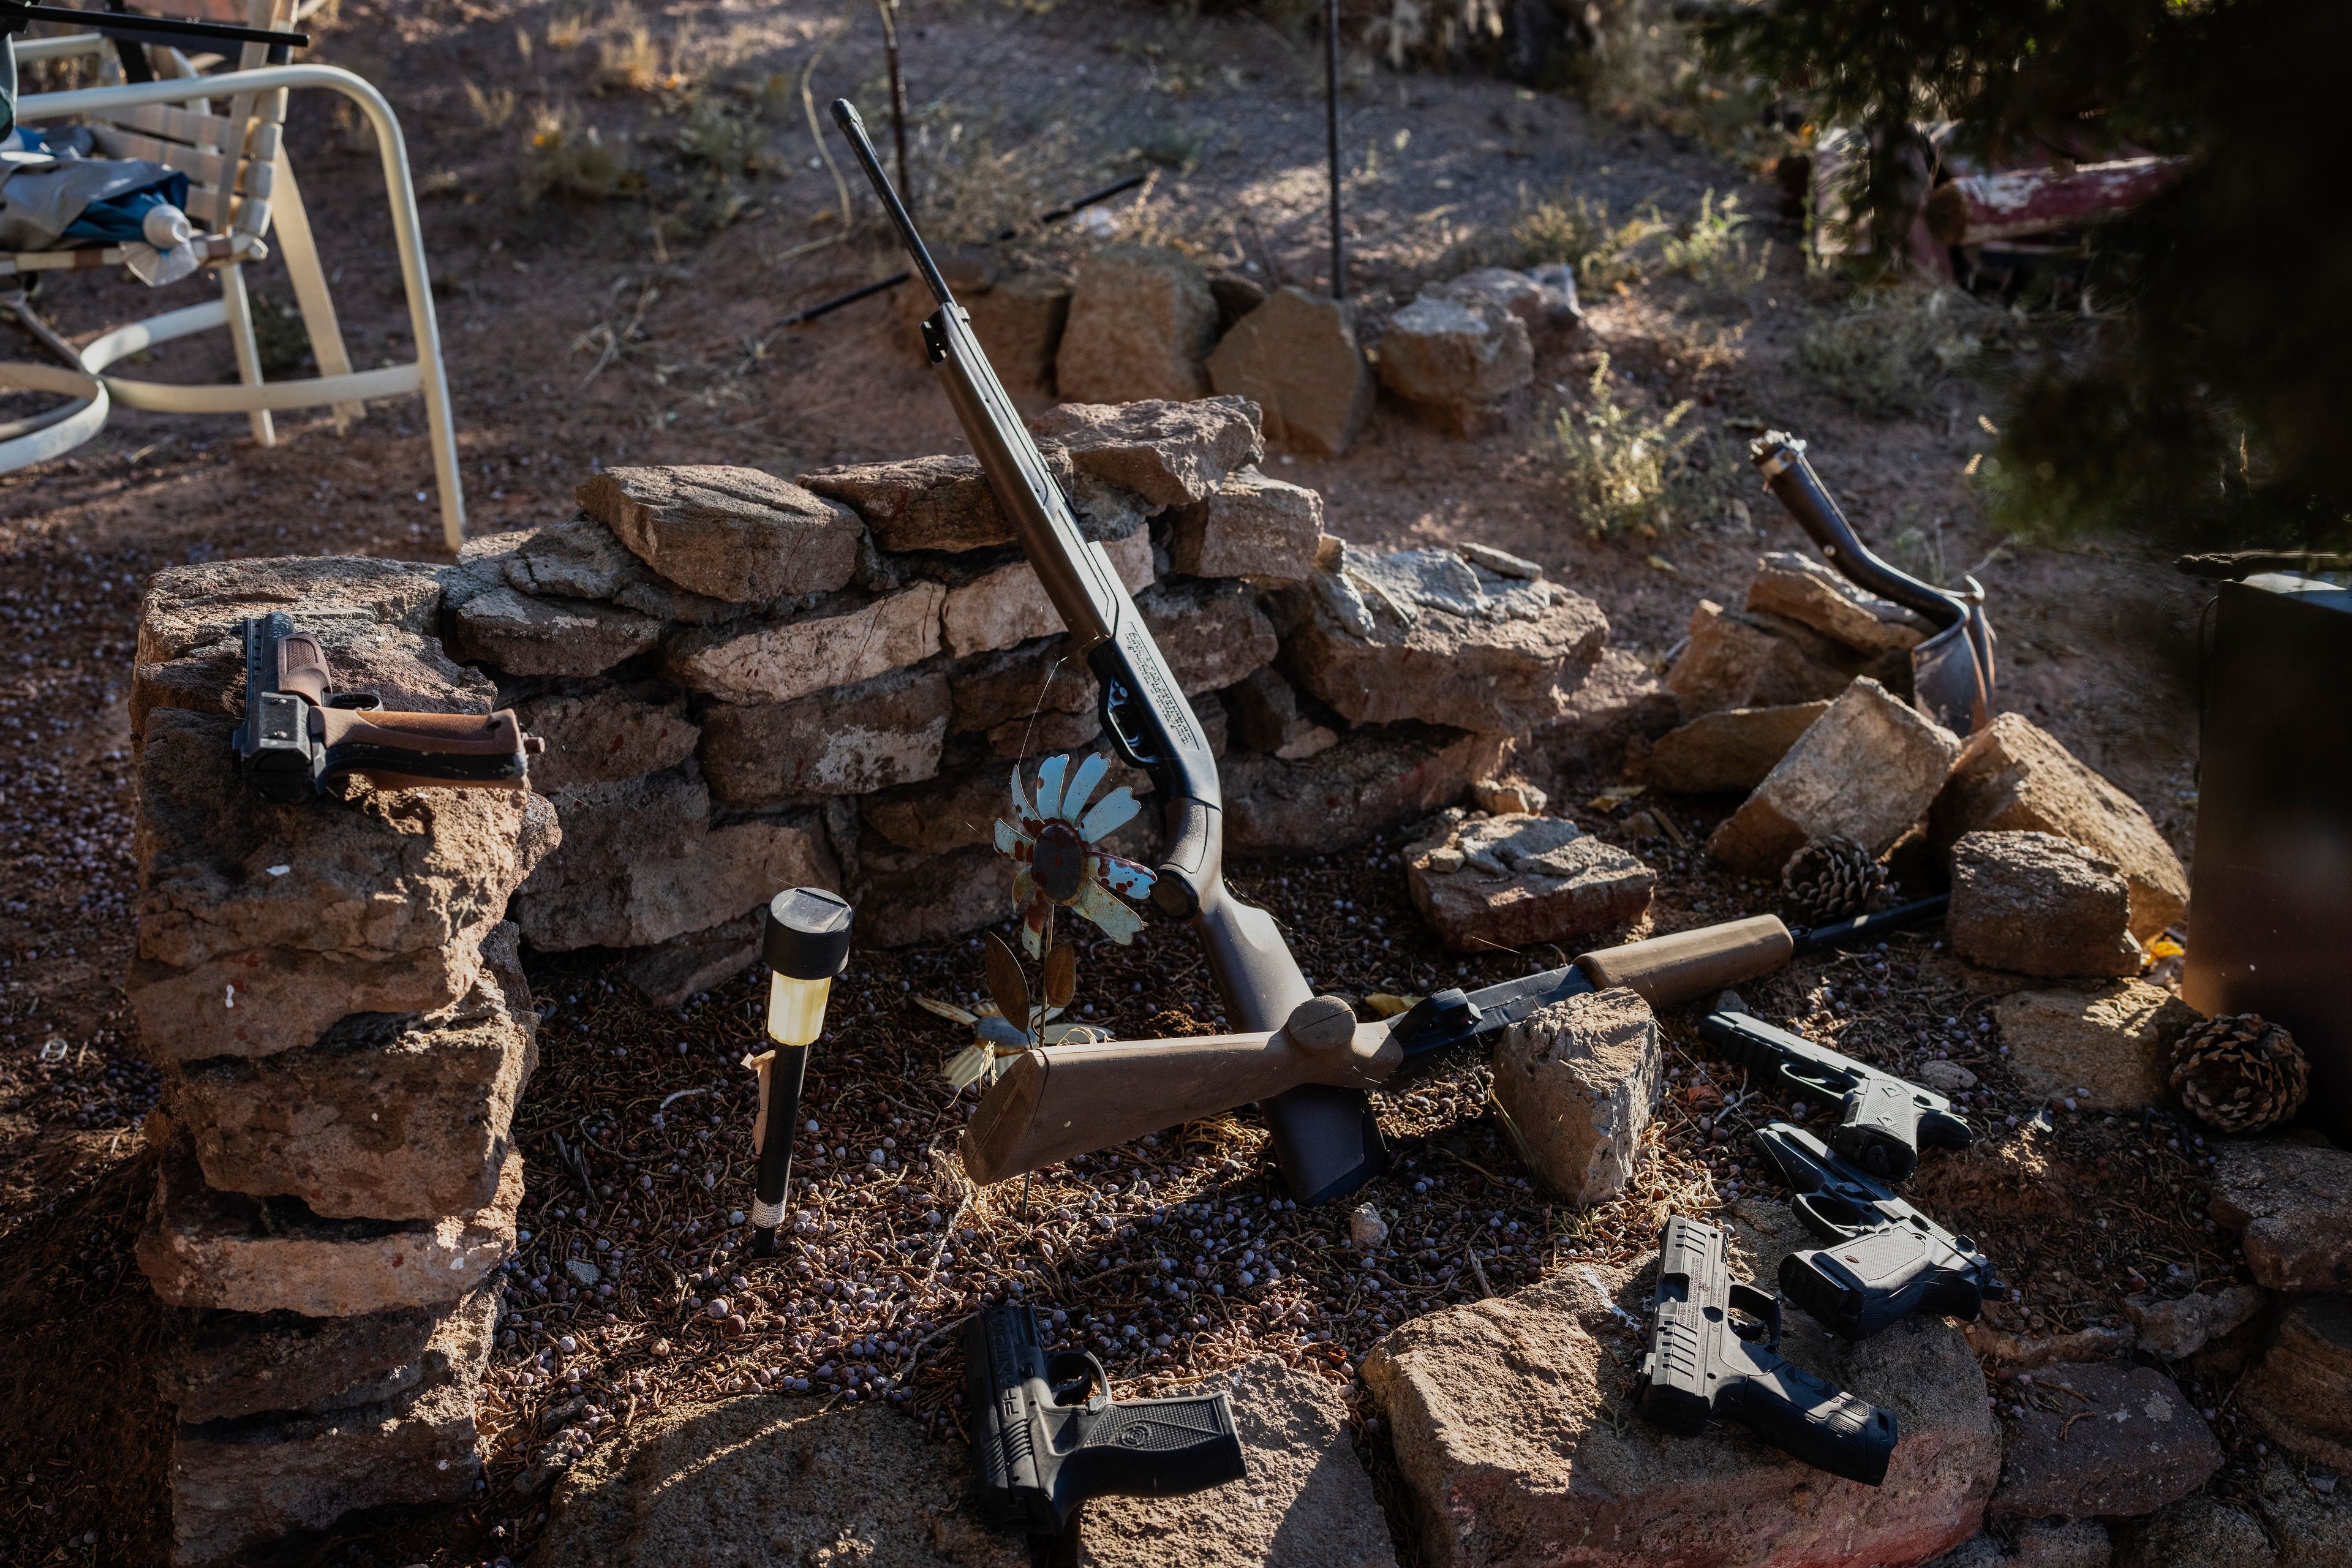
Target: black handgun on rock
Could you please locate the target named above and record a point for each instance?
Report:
(1047, 1436)
(1882, 1119)
(1886, 1260)
(1705, 1362)
(298, 733)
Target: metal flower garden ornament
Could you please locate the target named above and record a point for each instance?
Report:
(1052, 840)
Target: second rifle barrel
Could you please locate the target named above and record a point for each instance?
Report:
(159, 27)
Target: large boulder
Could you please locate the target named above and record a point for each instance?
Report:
(2013, 777)
(953, 811)
(1141, 325)
(1453, 360)
(845, 739)
(2108, 1049)
(730, 533)
(1249, 526)
(2300, 1393)
(1167, 453)
(2115, 1439)
(1544, 301)
(259, 925)
(2037, 904)
(1735, 659)
(1866, 770)
(641, 863)
(1019, 322)
(240, 1254)
(777, 661)
(1371, 781)
(1295, 356)
(1268, 716)
(1515, 1441)
(388, 1116)
(1798, 588)
(218, 1366)
(1578, 1081)
(1307, 1502)
(1514, 881)
(763, 1480)
(1427, 635)
(1730, 748)
(2200, 1530)
(2290, 1205)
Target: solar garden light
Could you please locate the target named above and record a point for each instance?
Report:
(806, 943)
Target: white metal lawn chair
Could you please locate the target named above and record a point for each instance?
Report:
(225, 131)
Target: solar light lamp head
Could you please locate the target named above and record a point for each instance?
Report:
(805, 944)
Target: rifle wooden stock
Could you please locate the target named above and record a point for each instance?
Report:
(1057, 1102)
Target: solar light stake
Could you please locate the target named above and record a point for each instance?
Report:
(805, 944)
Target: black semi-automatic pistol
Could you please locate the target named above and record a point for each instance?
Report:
(1886, 1259)
(1704, 1361)
(1882, 1119)
(298, 733)
(1047, 1436)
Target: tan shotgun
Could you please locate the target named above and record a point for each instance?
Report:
(1057, 1102)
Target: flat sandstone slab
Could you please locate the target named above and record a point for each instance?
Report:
(2126, 1442)
(767, 1480)
(1866, 770)
(2291, 1203)
(1517, 1441)
(728, 533)
(1306, 1502)
(1517, 879)
(202, 1249)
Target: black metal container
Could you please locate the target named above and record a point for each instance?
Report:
(2270, 913)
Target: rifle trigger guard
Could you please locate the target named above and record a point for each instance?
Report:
(363, 701)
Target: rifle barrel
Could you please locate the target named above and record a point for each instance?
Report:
(130, 22)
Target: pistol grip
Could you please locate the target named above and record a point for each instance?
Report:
(1807, 1419)
(1152, 1447)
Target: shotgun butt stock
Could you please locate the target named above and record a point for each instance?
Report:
(1057, 1102)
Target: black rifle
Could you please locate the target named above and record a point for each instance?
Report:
(1325, 1136)
(1042, 1453)
(1882, 1119)
(298, 733)
(1703, 1362)
(1886, 1260)
(15, 15)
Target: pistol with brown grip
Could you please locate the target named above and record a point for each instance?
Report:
(299, 731)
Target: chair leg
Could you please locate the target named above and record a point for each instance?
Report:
(248, 351)
(291, 225)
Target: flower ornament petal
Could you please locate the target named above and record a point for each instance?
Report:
(1110, 814)
(997, 1032)
(968, 1065)
(1020, 800)
(1120, 876)
(1032, 924)
(1010, 839)
(1118, 923)
(948, 1010)
(1082, 784)
(1049, 786)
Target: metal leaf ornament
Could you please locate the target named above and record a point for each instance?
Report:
(1052, 839)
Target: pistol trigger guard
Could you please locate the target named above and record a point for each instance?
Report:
(1821, 1212)
(1760, 1305)
(1071, 1374)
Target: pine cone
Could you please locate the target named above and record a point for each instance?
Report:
(1833, 880)
(2239, 1073)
